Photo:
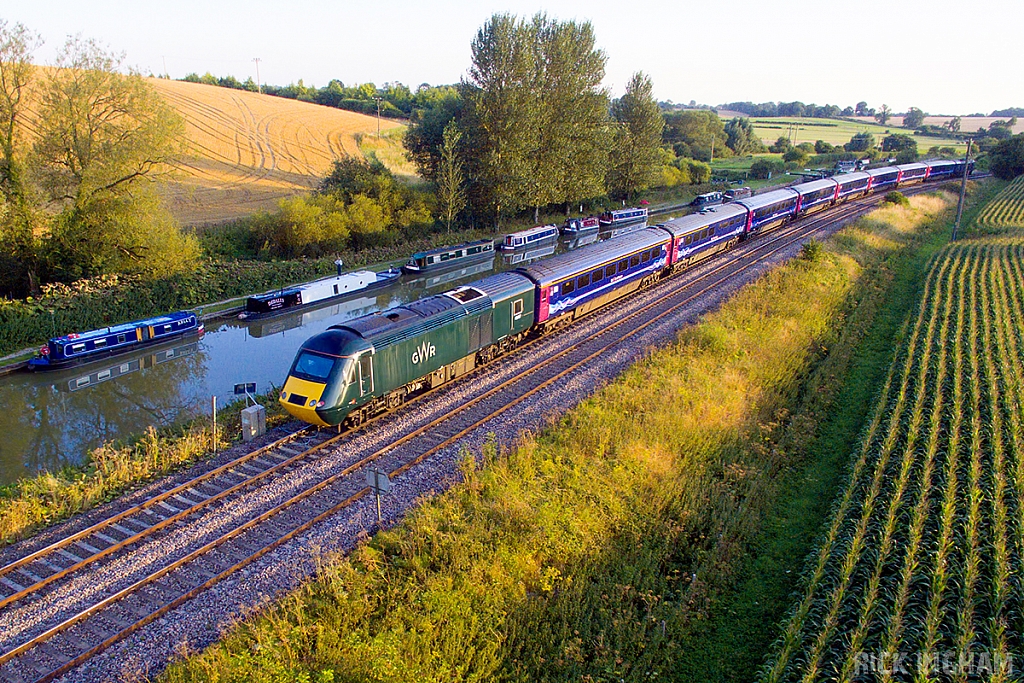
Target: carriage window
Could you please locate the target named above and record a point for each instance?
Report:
(609, 271)
(689, 239)
(583, 280)
(634, 260)
(645, 256)
(711, 231)
(568, 287)
(597, 275)
(623, 265)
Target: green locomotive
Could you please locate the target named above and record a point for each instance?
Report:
(372, 363)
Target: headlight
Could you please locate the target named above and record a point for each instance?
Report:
(312, 402)
(284, 395)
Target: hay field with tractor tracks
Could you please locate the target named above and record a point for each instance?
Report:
(248, 151)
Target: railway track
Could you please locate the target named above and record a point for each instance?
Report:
(55, 646)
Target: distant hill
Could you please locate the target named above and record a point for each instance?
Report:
(250, 150)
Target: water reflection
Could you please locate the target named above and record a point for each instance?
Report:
(53, 419)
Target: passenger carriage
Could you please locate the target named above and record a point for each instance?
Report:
(911, 174)
(941, 170)
(852, 185)
(816, 195)
(573, 284)
(883, 179)
(769, 210)
(698, 236)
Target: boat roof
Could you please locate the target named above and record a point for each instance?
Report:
(123, 327)
(445, 250)
(579, 260)
(533, 231)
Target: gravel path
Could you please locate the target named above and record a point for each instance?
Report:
(204, 619)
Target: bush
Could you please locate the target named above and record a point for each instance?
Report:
(1007, 158)
(795, 155)
(766, 168)
(897, 198)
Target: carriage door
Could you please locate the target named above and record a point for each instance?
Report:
(365, 374)
(480, 331)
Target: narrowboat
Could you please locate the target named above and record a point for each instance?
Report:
(575, 226)
(529, 238)
(449, 257)
(317, 292)
(707, 199)
(85, 347)
(620, 216)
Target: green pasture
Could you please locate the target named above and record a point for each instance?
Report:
(836, 132)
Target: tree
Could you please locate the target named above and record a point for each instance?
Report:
(100, 136)
(781, 146)
(883, 114)
(451, 194)
(860, 142)
(741, 138)
(898, 143)
(954, 124)
(635, 152)
(502, 113)
(425, 136)
(913, 118)
(1007, 158)
(822, 147)
(571, 144)
(861, 109)
(692, 132)
(765, 168)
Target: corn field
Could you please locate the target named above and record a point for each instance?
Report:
(1006, 210)
(919, 576)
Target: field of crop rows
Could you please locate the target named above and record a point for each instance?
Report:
(1006, 210)
(919, 575)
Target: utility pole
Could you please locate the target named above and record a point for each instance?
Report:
(712, 149)
(378, 98)
(259, 86)
(963, 190)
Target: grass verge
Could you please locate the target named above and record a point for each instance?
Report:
(588, 552)
(33, 503)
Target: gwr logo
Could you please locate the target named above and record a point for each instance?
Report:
(426, 350)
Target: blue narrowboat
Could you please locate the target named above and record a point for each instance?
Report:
(620, 216)
(84, 347)
(529, 238)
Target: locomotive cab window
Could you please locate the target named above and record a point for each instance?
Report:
(517, 308)
(313, 366)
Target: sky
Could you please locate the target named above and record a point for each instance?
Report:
(898, 52)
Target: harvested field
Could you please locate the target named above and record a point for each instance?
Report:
(250, 150)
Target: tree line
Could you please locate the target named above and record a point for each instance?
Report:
(396, 99)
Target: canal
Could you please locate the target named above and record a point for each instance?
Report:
(53, 419)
